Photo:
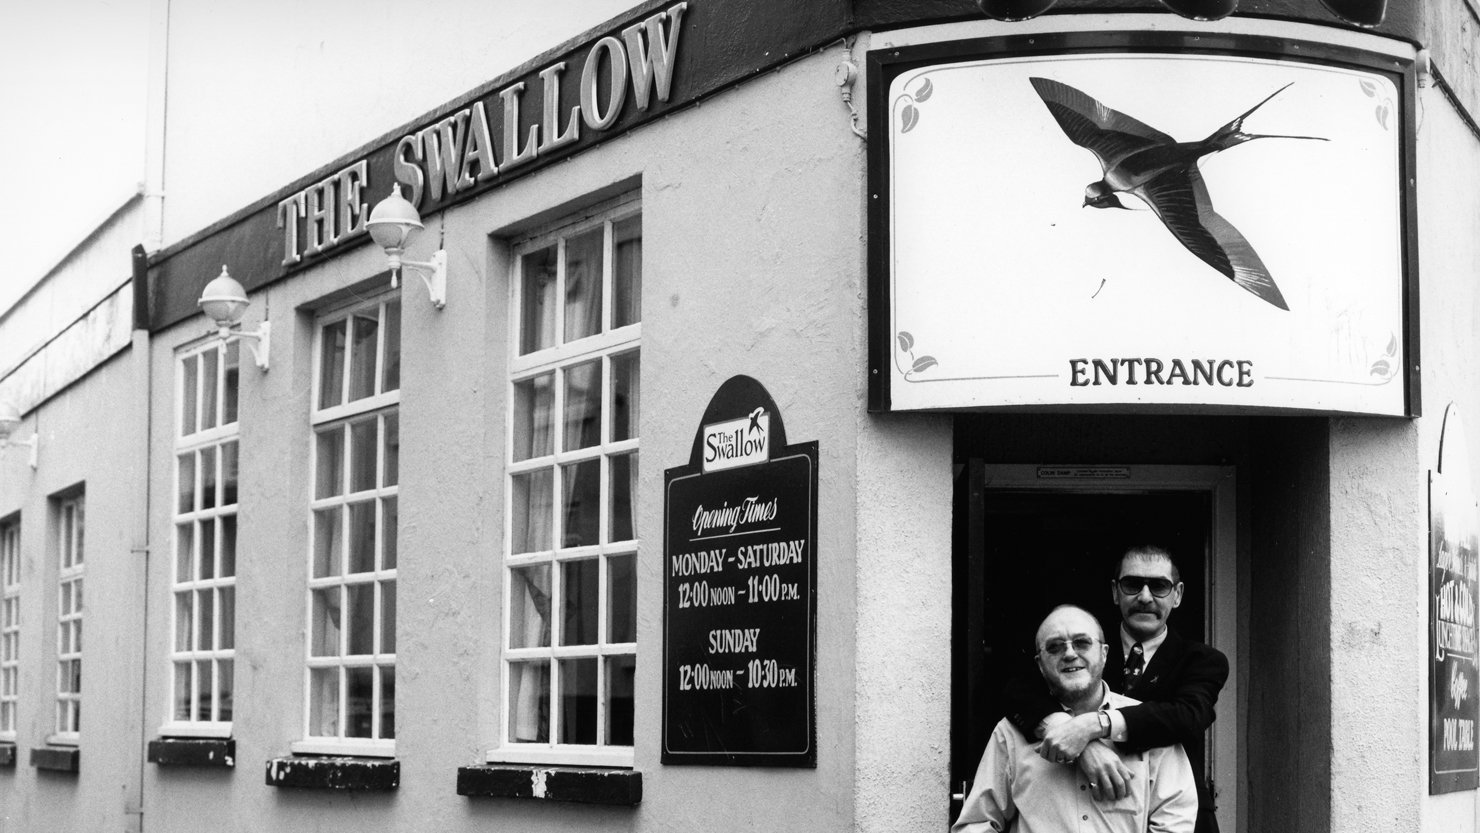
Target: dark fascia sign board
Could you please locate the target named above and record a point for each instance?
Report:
(711, 45)
(1034, 300)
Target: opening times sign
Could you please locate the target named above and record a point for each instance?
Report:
(1454, 762)
(739, 607)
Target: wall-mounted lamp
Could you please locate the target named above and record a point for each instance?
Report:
(393, 222)
(1013, 9)
(223, 301)
(1202, 9)
(10, 419)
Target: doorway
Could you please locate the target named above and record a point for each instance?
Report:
(1033, 537)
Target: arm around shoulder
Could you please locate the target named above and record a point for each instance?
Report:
(1185, 711)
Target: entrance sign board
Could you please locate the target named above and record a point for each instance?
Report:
(1454, 550)
(739, 593)
(1128, 229)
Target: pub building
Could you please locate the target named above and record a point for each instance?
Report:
(688, 427)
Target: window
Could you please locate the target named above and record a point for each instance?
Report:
(352, 558)
(10, 624)
(69, 618)
(206, 460)
(570, 650)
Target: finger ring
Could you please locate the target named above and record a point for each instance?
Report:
(1093, 785)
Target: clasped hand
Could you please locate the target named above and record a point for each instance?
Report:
(1076, 740)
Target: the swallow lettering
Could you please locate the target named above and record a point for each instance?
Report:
(1226, 373)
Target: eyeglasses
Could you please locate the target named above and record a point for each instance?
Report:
(1080, 644)
(1131, 585)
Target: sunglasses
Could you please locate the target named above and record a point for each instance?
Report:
(1131, 585)
(1081, 645)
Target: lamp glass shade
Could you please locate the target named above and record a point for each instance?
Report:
(1202, 9)
(223, 300)
(1367, 13)
(1013, 9)
(393, 220)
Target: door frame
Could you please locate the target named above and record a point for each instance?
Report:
(1220, 482)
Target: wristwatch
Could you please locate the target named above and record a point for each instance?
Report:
(1104, 718)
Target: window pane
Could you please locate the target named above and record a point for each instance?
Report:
(207, 611)
(578, 701)
(229, 472)
(365, 331)
(534, 406)
(582, 483)
(362, 455)
(392, 467)
(537, 300)
(331, 365)
(387, 617)
(224, 689)
(390, 524)
(627, 271)
(388, 703)
(226, 613)
(578, 581)
(184, 553)
(391, 375)
(621, 598)
(622, 514)
(529, 607)
(529, 702)
(209, 373)
(626, 396)
(323, 702)
(186, 480)
(229, 388)
(189, 380)
(621, 672)
(325, 636)
(583, 285)
(329, 459)
(532, 499)
(208, 478)
(184, 621)
(206, 566)
(203, 692)
(361, 602)
(582, 406)
(326, 542)
(228, 546)
(362, 537)
(182, 690)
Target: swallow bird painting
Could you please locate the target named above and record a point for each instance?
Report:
(1163, 173)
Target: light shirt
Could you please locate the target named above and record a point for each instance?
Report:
(1118, 732)
(1013, 782)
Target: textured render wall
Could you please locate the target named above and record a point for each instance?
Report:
(89, 438)
(1449, 165)
(753, 263)
(290, 86)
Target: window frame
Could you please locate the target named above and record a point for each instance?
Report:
(604, 346)
(71, 518)
(342, 416)
(200, 440)
(10, 625)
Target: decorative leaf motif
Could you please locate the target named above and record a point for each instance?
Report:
(1382, 114)
(908, 118)
(923, 94)
(906, 341)
(1392, 345)
(1381, 368)
(924, 363)
(1368, 87)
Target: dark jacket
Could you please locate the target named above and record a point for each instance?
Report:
(1179, 688)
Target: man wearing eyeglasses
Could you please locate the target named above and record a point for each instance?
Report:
(1016, 789)
(1176, 679)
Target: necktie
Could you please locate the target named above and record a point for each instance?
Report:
(1134, 665)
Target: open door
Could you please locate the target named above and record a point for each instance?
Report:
(1033, 537)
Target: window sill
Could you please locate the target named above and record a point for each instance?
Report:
(306, 772)
(193, 752)
(7, 756)
(56, 758)
(616, 787)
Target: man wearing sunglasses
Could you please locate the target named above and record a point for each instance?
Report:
(1016, 789)
(1176, 679)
